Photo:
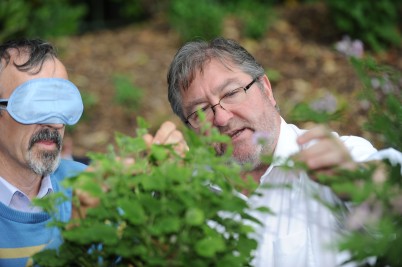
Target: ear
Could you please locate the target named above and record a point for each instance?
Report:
(267, 89)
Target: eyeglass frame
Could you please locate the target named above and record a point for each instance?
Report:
(245, 88)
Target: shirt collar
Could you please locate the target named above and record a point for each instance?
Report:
(287, 144)
(7, 190)
(285, 147)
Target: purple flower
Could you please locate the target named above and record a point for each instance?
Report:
(328, 103)
(350, 48)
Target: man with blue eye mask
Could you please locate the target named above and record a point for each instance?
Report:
(36, 102)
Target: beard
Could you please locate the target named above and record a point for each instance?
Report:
(44, 162)
(252, 159)
(248, 153)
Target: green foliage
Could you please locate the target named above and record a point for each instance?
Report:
(196, 19)
(321, 110)
(374, 226)
(382, 89)
(374, 22)
(90, 100)
(138, 10)
(43, 18)
(126, 94)
(159, 210)
(13, 17)
(255, 16)
(204, 19)
(303, 112)
(375, 190)
(274, 76)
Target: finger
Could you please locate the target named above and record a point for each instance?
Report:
(318, 132)
(323, 161)
(163, 133)
(174, 137)
(326, 153)
(148, 138)
(86, 199)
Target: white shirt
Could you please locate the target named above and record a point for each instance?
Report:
(302, 228)
(14, 198)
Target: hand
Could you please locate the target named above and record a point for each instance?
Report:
(326, 154)
(86, 201)
(168, 134)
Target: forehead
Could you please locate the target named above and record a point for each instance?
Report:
(210, 81)
(11, 77)
(215, 72)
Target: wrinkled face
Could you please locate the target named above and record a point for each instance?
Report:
(35, 147)
(255, 115)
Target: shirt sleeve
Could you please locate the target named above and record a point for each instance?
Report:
(359, 148)
(394, 156)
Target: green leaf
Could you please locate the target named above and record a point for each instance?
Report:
(209, 246)
(194, 216)
(94, 233)
(166, 225)
(132, 211)
(159, 153)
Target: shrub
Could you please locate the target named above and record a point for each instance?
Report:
(374, 225)
(42, 18)
(126, 94)
(196, 19)
(159, 211)
(374, 22)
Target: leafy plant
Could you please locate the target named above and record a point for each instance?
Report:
(196, 19)
(126, 94)
(383, 91)
(255, 16)
(374, 235)
(161, 210)
(44, 18)
(374, 22)
(13, 18)
(322, 110)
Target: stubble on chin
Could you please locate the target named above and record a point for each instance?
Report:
(43, 162)
(243, 154)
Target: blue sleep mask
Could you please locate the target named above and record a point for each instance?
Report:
(45, 101)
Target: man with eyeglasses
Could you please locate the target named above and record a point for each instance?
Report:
(224, 81)
(36, 102)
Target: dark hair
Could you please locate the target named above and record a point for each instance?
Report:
(38, 52)
(193, 56)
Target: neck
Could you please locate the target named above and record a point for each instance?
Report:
(21, 177)
(256, 174)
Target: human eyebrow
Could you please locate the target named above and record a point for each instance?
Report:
(231, 82)
(190, 107)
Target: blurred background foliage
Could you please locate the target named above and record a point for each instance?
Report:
(376, 23)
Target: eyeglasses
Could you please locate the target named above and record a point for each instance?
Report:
(228, 100)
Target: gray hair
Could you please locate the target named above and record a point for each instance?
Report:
(38, 52)
(192, 57)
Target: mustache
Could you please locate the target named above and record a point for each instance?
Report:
(46, 135)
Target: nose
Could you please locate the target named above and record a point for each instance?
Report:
(221, 116)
